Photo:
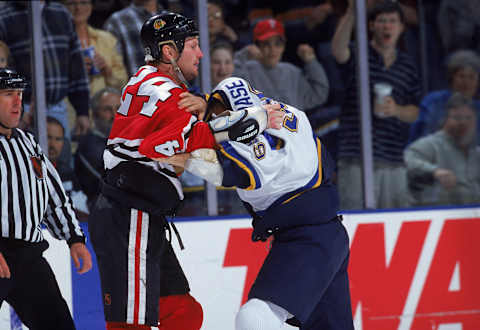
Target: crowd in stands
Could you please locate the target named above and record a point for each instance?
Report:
(424, 56)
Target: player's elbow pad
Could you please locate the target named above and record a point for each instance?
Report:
(240, 126)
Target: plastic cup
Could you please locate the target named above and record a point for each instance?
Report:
(381, 91)
(90, 53)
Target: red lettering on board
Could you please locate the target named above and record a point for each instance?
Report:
(382, 289)
(241, 251)
(440, 303)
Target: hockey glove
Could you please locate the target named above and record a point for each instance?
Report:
(240, 126)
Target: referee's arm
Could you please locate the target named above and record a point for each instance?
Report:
(61, 221)
(60, 218)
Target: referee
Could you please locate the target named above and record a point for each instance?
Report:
(31, 194)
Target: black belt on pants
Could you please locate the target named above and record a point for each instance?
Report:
(131, 201)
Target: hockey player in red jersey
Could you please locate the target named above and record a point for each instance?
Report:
(143, 284)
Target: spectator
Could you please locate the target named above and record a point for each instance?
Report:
(56, 136)
(390, 124)
(218, 29)
(65, 72)
(411, 41)
(5, 57)
(435, 55)
(443, 167)
(307, 21)
(103, 9)
(125, 25)
(221, 67)
(106, 68)
(70, 182)
(458, 25)
(280, 80)
(221, 62)
(56, 140)
(463, 70)
(89, 156)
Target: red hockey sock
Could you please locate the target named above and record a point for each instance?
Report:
(180, 312)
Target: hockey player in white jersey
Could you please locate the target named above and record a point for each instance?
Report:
(284, 177)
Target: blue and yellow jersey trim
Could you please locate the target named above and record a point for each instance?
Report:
(275, 143)
(229, 152)
(315, 182)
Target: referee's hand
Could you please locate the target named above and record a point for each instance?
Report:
(79, 251)
(4, 270)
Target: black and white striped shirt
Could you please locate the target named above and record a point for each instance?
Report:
(31, 193)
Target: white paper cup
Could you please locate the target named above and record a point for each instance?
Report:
(381, 91)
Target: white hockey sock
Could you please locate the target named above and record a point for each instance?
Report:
(258, 314)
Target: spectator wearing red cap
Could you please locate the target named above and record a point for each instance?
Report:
(260, 63)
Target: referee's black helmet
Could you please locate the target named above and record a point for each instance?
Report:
(10, 79)
(166, 28)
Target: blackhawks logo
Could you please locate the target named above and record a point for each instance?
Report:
(158, 24)
(37, 166)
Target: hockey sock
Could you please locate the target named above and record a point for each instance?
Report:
(180, 312)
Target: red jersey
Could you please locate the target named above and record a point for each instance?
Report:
(149, 124)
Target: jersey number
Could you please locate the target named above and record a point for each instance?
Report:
(167, 148)
(290, 121)
(143, 99)
(259, 150)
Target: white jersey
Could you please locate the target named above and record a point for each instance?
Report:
(277, 162)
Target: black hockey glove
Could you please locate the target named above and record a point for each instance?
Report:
(234, 126)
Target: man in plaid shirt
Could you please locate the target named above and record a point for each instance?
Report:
(65, 73)
(125, 25)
